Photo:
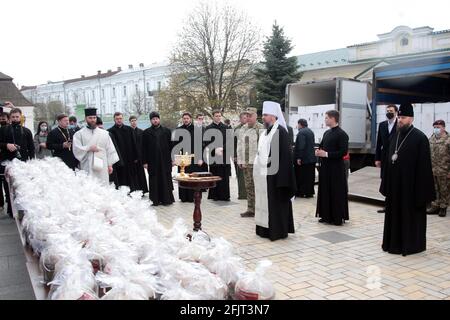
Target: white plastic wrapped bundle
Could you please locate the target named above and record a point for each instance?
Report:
(254, 286)
(74, 280)
(74, 221)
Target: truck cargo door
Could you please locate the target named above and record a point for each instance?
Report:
(352, 106)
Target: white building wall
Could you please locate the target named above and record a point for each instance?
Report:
(99, 93)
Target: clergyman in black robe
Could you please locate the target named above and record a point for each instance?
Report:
(332, 199)
(59, 141)
(142, 179)
(274, 177)
(157, 158)
(220, 165)
(126, 146)
(185, 137)
(408, 187)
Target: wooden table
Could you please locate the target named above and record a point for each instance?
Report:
(198, 184)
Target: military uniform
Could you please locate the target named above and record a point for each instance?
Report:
(440, 159)
(242, 193)
(246, 153)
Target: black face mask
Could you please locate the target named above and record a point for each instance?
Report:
(390, 115)
(15, 123)
(3, 123)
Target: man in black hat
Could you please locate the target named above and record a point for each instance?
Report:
(94, 148)
(157, 159)
(408, 187)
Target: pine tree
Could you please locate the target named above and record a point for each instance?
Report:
(277, 70)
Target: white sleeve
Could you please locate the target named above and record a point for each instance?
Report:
(111, 153)
(79, 151)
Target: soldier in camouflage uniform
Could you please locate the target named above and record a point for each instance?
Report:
(246, 153)
(242, 194)
(440, 159)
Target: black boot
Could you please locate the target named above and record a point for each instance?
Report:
(433, 210)
(443, 212)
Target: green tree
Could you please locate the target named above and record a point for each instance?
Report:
(277, 69)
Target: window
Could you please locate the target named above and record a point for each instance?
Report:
(404, 42)
(114, 92)
(93, 94)
(137, 87)
(159, 85)
(124, 90)
(103, 93)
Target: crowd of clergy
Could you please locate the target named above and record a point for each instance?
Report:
(272, 168)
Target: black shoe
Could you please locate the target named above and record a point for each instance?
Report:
(433, 210)
(382, 210)
(322, 221)
(247, 214)
(443, 212)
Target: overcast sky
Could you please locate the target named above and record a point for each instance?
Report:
(45, 40)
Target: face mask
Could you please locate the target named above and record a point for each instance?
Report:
(44, 128)
(15, 123)
(71, 126)
(390, 115)
(437, 131)
(3, 123)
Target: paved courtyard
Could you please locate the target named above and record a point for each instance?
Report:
(330, 262)
(317, 262)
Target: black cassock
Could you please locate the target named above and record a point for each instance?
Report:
(193, 134)
(222, 190)
(55, 141)
(124, 171)
(274, 190)
(408, 188)
(142, 180)
(156, 153)
(332, 199)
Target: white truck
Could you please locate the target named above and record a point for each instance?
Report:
(362, 105)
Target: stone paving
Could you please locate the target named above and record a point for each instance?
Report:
(329, 262)
(317, 262)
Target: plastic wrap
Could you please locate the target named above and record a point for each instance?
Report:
(254, 286)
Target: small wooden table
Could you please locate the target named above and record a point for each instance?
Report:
(197, 184)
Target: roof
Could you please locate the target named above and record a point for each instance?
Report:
(4, 77)
(28, 88)
(324, 59)
(9, 92)
(97, 76)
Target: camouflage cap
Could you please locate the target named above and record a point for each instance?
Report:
(251, 110)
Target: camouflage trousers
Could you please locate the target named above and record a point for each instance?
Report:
(441, 184)
(242, 193)
(250, 187)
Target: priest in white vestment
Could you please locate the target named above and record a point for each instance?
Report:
(94, 148)
(273, 176)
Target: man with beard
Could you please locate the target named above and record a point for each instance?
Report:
(16, 142)
(274, 178)
(60, 140)
(216, 137)
(408, 187)
(186, 137)
(142, 180)
(93, 147)
(157, 159)
(124, 139)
